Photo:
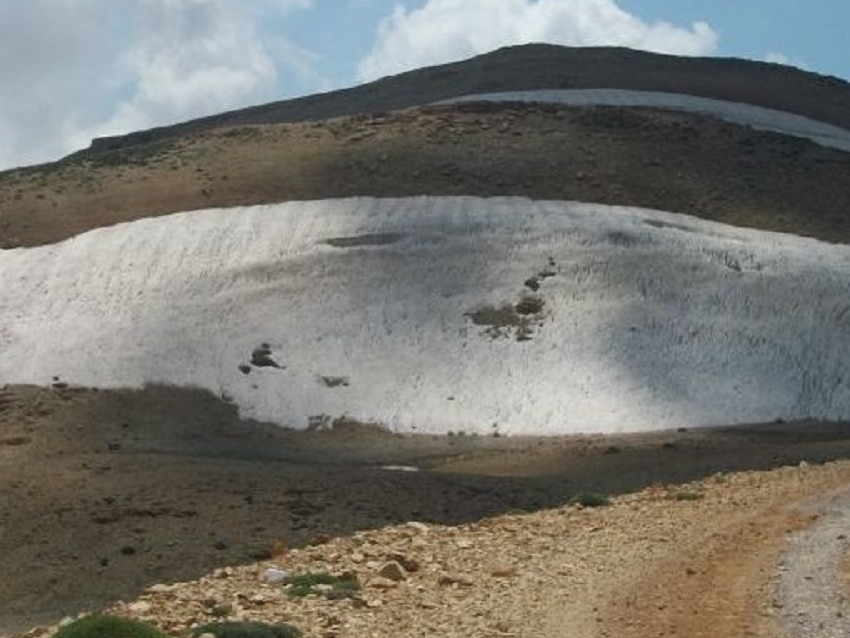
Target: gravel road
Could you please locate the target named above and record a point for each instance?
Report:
(811, 582)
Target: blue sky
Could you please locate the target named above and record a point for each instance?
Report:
(811, 34)
(74, 69)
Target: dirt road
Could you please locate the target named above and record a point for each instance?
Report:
(656, 563)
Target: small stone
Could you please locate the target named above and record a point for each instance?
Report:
(532, 283)
(409, 564)
(417, 526)
(503, 571)
(332, 621)
(140, 607)
(375, 602)
(160, 588)
(455, 579)
(393, 571)
(463, 543)
(382, 583)
(275, 575)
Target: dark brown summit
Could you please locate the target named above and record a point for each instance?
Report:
(546, 66)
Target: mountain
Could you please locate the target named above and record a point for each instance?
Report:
(549, 264)
(545, 66)
(663, 158)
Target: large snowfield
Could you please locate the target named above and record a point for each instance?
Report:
(421, 314)
(757, 117)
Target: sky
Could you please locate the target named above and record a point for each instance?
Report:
(71, 70)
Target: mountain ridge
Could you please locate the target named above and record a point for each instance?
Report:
(542, 66)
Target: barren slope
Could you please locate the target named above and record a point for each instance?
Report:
(634, 157)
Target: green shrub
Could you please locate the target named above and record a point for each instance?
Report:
(97, 626)
(305, 584)
(247, 630)
(221, 611)
(591, 499)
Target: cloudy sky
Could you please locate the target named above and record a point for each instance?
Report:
(74, 69)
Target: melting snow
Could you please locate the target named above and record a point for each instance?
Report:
(756, 117)
(433, 314)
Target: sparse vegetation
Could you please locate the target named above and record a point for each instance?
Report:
(590, 499)
(687, 495)
(232, 629)
(98, 626)
(322, 583)
(221, 611)
(140, 155)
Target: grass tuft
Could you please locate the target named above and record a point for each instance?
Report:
(333, 587)
(99, 626)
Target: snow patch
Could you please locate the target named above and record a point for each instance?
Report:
(757, 117)
(640, 320)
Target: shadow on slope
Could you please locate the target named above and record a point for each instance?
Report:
(637, 157)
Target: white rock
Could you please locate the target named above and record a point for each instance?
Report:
(140, 607)
(275, 575)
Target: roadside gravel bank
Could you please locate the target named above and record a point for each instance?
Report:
(812, 592)
(691, 560)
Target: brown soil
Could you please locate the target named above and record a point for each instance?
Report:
(671, 161)
(106, 493)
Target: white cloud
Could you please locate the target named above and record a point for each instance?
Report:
(777, 57)
(189, 58)
(74, 69)
(446, 30)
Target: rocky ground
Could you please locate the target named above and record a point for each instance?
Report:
(693, 560)
(116, 492)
